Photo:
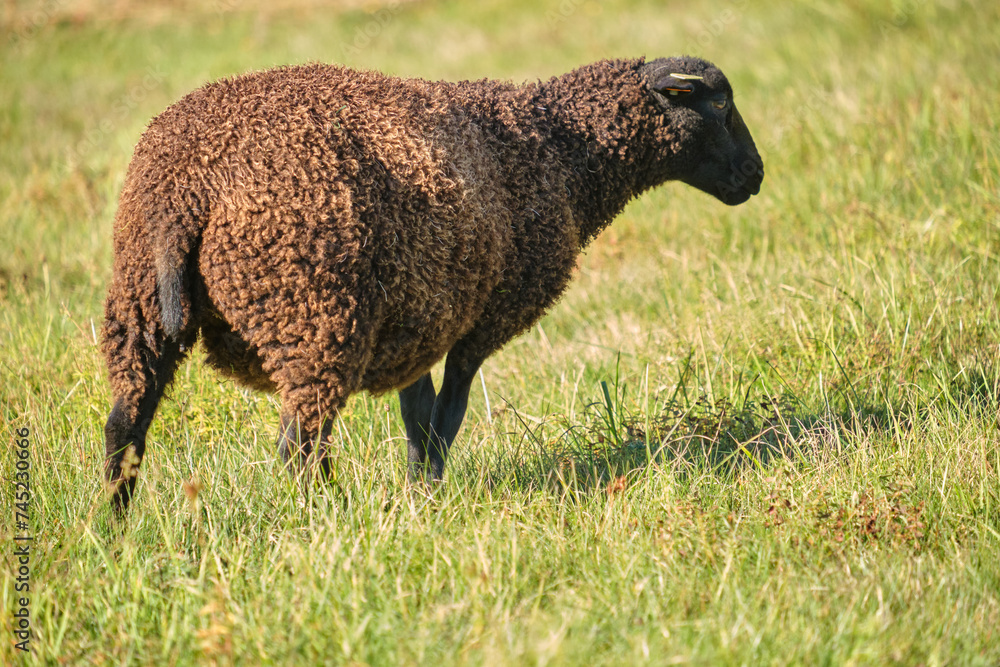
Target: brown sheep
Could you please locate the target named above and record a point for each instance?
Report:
(328, 230)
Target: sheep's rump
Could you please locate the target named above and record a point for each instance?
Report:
(344, 222)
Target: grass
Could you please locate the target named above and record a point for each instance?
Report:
(761, 435)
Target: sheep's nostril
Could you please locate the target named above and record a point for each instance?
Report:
(748, 174)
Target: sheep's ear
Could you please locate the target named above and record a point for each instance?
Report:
(675, 84)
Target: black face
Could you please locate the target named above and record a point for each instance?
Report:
(714, 151)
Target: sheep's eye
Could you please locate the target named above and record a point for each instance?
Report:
(720, 104)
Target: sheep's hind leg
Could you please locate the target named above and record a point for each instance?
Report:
(315, 381)
(125, 430)
(416, 404)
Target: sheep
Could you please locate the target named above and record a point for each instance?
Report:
(325, 230)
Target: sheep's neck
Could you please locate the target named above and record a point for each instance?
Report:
(601, 146)
(575, 135)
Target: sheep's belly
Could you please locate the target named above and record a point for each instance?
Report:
(421, 307)
(408, 347)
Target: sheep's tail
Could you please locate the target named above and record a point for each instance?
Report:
(174, 300)
(176, 238)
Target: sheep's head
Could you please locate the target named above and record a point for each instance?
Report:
(710, 147)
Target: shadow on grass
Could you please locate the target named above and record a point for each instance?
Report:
(974, 388)
(608, 446)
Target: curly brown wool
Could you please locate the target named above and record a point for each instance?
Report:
(326, 230)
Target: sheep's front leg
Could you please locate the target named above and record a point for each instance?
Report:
(305, 451)
(416, 403)
(449, 408)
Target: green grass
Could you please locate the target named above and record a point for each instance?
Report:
(761, 435)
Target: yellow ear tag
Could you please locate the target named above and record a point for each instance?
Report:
(686, 77)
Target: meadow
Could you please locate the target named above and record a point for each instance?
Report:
(767, 434)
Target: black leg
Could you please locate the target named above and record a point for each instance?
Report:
(449, 408)
(416, 403)
(124, 446)
(125, 430)
(302, 450)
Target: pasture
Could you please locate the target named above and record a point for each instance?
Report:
(767, 434)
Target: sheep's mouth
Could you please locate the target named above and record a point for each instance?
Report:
(744, 182)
